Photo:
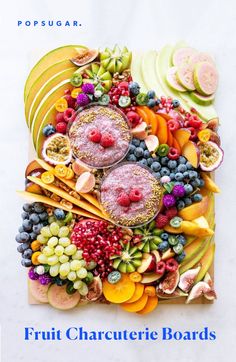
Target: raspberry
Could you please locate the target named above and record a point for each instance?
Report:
(173, 154)
(171, 265)
(133, 119)
(94, 135)
(123, 199)
(173, 125)
(69, 115)
(135, 195)
(161, 221)
(172, 212)
(107, 140)
(70, 101)
(61, 127)
(60, 117)
(160, 267)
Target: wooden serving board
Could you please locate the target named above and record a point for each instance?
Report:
(201, 300)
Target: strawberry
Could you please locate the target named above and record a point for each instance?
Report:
(135, 195)
(123, 199)
(161, 221)
(94, 135)
(172, 212)
(107, 140)
(61, 127)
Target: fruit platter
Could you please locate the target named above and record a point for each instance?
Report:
(119, 190)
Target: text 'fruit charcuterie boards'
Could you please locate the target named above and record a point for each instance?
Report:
(120, 194)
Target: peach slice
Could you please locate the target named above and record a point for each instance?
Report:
(139, 289)
(192, 153)
(33, 188)
(79, 167)
(140, 131)
(167, 254)
(195, 210)
(150, 305)
(162, 132)
(150, 278)
(136, 306)
(209, 183)
(182, 136)
(152, 143)
(85, 182)
(146, 262)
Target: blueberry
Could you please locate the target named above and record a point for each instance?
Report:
(202, 183)
(131, 148)
(157, 175)
(59, 214)
(18, 238)
(39, 207)
(21, 229)
(188, 189)
(187, 201)
(179, 183)
(165, 171)
(197, 197)
(186, 175)
(24, 215)
(163, 246)
(179, 258)
(156, 159)
(164, 236)
(43, 216)
(26, 262)
(195, 183)
(143, 145)
(34, 218)
(134, 88)
(37, 228)
(27, 254)
(179, 176)
(182, 160)
(143, 162)
(175, 103)
(181, 168)
(164, 161)
(27, 225)
(48, 130)
(180, 204)
(24, 237)
(135, 142)
(22, 247)
(146, 154)
(151, 103)
(193, 175)
(181, 239)
(156, 166)
(27, 207)
(131, 158)
(150, 161)
(33, 236)
(158, 101)
(189, 166)
(151, 94)
(172, 164)
(172, 176)
(138, 152)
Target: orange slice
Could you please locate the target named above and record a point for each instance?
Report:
(150, 291)
(60, 170)
(120, 292)
(139, 289)
(150, 305)
(47, 177)
(136, 306)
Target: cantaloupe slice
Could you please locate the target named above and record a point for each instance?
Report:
(119, 292)
(135, 306)
(162, 131)
(139, 289)
(151, 304)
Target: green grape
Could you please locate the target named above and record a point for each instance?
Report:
(48, 251)
(71, 276)
(63, 259)
(75, 265)
(42, 239)
(78, 284)
(64, 241)
(53, 260)
(83, 290)
(54, 270)
(45, 231)
(53, 241)
(51, 219)
(63, 277)
(64, 231)
(65, 269)
(54, 228)
(43, 259)
(78, 255)
(91, 265)
(70, 249)
(83, 263)
(89, 278)
(59, 250)
(82, 273)
(60, 223)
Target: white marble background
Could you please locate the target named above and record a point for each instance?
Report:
(206, 25)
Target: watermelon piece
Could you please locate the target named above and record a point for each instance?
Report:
(38, 291)
(184, 75)
(205, 78)
(182, 56)
(60, 299)
(201, 99)
(201, 57)
(173, 81)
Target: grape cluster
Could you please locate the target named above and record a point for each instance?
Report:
(64, 260)
(34, 217)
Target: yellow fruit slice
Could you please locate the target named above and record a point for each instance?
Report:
(47, 177)
(139, 289)
(150, 305)
(150, 291)
(119, 292)
(60, 170)
(136, 306)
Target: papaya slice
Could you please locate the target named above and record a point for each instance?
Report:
(139, 290)
(152, 120)
(176, 145)
(119, 292)
(150, 305)
(170, 139)
(136, 306)
(141, 112)
(162, 132)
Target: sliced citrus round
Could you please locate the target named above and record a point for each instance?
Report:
(47, 177)
(135, 277)
(136, 306)
(150, 291)
(204, 135)
(61, 105)
(60, 170)
(120, 292)
(139, 289)
(150, 305)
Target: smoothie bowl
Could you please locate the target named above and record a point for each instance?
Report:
(130, 195)
(100, 136)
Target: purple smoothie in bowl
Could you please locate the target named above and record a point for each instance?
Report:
(130, 195)
(100, 136)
